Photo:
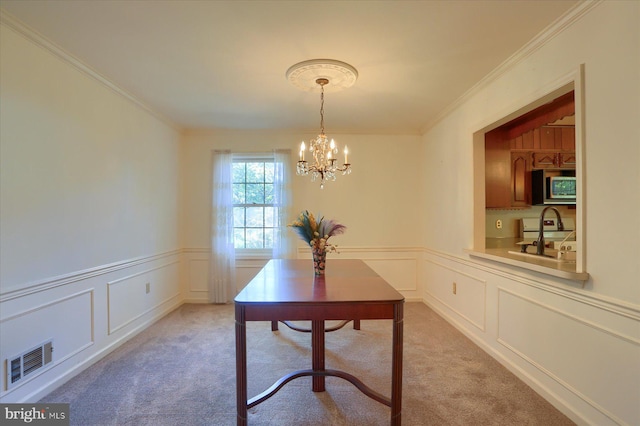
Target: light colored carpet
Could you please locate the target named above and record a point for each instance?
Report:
(181, 371)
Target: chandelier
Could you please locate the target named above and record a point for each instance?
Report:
(322, 151)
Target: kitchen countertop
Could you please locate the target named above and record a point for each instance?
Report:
(497, 250)
(505, 242)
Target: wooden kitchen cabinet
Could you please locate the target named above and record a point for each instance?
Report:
(554, 138)
(567, 160)
(520, 178)
(554, 147)
(544, 159)
(567, 139)
(546, 138)
(508, 171)
(547, 159)
(543, 138)
(497, 171)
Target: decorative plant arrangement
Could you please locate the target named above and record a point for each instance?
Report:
(317, 233)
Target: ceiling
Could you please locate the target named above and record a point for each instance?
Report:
(222, 64)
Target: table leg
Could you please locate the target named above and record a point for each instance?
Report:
(396, 359)
(241, 366)
(317, 354)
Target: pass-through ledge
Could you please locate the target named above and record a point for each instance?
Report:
(544, 265)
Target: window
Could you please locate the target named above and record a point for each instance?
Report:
(254, 212)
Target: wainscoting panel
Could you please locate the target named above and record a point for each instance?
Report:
(398, 265)
(86, 313)
(26, 329)
(246, 270)
(542, 331)
(576, 349)
(198, 275)
(400, 273)
(196, 261)
(460, 292)
(131, 297)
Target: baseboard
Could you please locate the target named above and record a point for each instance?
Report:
(527, 378)
(196, 301)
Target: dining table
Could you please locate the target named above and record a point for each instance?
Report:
(287, 290)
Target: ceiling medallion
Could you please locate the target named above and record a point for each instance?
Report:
(304, 75)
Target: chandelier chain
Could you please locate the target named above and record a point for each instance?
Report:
(322, 109)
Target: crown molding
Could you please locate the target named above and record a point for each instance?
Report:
(42, 41)
(544, 37)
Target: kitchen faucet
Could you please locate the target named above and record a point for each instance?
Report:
(540, 240)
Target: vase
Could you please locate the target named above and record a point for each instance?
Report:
(319, 260)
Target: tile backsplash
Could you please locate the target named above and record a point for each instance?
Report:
(511, 220)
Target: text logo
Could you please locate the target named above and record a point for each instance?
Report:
(35, 414)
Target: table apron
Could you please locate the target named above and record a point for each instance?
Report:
(310, 311)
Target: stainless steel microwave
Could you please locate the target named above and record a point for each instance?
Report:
(561, 187)
(553, 187)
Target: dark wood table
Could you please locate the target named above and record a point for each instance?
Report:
(288, 290)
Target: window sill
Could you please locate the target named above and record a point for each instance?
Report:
(253, 254)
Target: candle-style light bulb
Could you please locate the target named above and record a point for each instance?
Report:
(302, 149)
(346, 153)
(332, 144)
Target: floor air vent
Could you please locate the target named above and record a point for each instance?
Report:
(21, 366)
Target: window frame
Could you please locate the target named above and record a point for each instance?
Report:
(253, 253)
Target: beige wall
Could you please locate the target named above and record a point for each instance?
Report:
(578, 345)
(377, 202)
(612, 65)
(88, 178)
(89, 206)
